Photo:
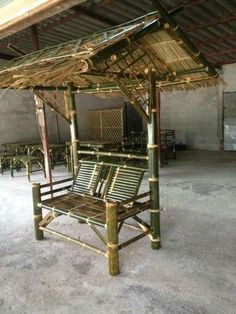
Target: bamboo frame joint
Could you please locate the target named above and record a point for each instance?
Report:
(153, 179)
(152, 146)
(156, 240)
(112, 245)
(155, 210)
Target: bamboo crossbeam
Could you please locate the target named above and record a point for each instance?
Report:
(42, 186)
(117, 165)
(74, 240)
(109, 154)
(138, 237)
(98, 233)
(64, 188)
(135, 198)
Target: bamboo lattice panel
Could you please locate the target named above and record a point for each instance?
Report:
(106, 125)
(94, 125)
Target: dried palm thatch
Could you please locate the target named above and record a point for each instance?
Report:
(107, 61)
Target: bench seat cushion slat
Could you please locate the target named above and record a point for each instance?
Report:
(94, 210)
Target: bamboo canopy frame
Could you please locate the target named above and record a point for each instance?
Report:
(135, 59)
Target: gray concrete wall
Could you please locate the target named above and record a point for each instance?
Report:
(194, 116)
(18, 121)
(197, 115)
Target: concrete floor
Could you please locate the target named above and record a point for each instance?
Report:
(194, 272)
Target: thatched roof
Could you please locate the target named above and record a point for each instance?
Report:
(126, 53)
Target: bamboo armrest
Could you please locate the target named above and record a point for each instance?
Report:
(135, 198)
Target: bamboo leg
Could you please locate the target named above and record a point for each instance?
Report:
(154, 168)
(37, 210)
(11, 167)
(1, 165)
(28, 170)
(112, 236)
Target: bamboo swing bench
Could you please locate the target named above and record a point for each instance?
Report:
(101, 195)
(135, 60)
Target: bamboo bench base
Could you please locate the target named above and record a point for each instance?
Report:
(103, 196)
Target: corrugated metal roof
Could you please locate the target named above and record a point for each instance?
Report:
(210, 24)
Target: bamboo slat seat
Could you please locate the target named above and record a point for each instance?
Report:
(90, 210)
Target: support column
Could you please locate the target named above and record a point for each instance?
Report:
(37, 210)
(154, 166)
(74, 131)
(112, 238)
(40, 110)
(159, 126)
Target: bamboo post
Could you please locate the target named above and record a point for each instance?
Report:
(1, 165)
(12, 167)
(159, 125)
(73, 125)
(112, 237)
(37, 210)
(154, 167)
(28, 170)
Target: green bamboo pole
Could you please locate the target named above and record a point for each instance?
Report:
(37, 210)
(73, 125)
(110, 154)
(112, 237)
(154, 167)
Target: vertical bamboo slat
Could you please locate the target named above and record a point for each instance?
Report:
(112, 237)
(37, 211)
(154, 167)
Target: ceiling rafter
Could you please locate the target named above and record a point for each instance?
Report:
(215, 40)
(221, 52)
(210, 23)
(92, 14)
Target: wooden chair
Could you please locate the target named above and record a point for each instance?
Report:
(102, 195)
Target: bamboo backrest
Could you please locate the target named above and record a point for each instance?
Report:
(87, 178)
(123, 184)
